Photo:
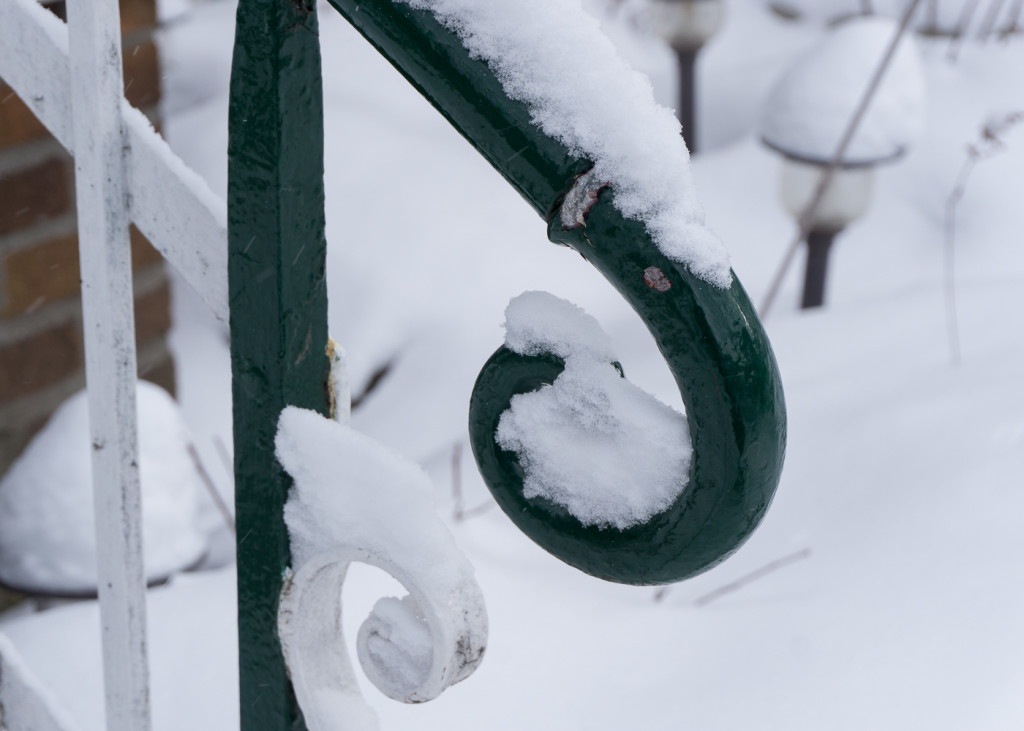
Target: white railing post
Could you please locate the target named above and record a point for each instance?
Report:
(107, 312)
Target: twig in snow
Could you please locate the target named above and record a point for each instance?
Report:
(989, 23)
(222, 506)
(962, 25)
(378, 375)
(933, 15)
(457, 511)
(991, 143)
(1013, 20)
(222, 452)
(753, 576)
(829, 173)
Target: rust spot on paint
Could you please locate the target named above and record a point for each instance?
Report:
(580, 199)
(656, 279)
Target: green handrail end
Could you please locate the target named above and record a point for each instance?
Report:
(711, 337)
(726, 372)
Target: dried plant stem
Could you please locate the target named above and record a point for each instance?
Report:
(807, 218)
(991, 143)
(1013, 18)
(222, 507)
(753, 576)
(458, 513)
(222, 452)
(949, 260)
(989, 23)
(962, 25)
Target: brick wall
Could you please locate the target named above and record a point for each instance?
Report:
(41, 348)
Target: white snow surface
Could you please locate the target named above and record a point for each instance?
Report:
(592, 442)
(350, 490)
(398, 642)
(553, 56)
(807, 112)
(47, 533)
(539, 322)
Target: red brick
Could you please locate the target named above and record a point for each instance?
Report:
(152, 314)
(161, 373)
(49, 271)
(39, 360)
(143, 253)
(137, 15)
(40, 274)
(141, 74)
(17, 123)
(35, 193)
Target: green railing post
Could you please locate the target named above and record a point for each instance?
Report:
(278, 302)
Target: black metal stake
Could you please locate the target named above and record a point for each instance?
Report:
(818, 245)
(687, 94)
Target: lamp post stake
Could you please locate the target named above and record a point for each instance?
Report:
(819, 245)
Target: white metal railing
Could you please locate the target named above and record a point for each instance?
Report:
(70, 77)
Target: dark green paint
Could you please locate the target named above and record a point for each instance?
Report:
(711, 338)
(726, 372)
(278, 312)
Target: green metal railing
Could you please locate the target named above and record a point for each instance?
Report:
(710, 337)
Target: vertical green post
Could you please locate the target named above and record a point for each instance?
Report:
(278, 313)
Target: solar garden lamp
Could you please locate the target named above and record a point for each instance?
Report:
(846, 199)
(686, 25)
(808, 118)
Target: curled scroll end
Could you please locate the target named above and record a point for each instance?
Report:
(355, 501)
(411, 649)
(414, 647)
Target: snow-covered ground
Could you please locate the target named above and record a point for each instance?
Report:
(903, 488)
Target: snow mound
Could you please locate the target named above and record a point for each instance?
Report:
(810, 107)
(553, 56)
(47, 531)
(592, 442)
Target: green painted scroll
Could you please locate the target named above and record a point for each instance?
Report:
(710, 337)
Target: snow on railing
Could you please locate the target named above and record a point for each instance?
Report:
(70, 77)
(355, 501)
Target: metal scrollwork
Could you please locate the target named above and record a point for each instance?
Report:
(710, 336)
(726, 373)
(410, 648)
